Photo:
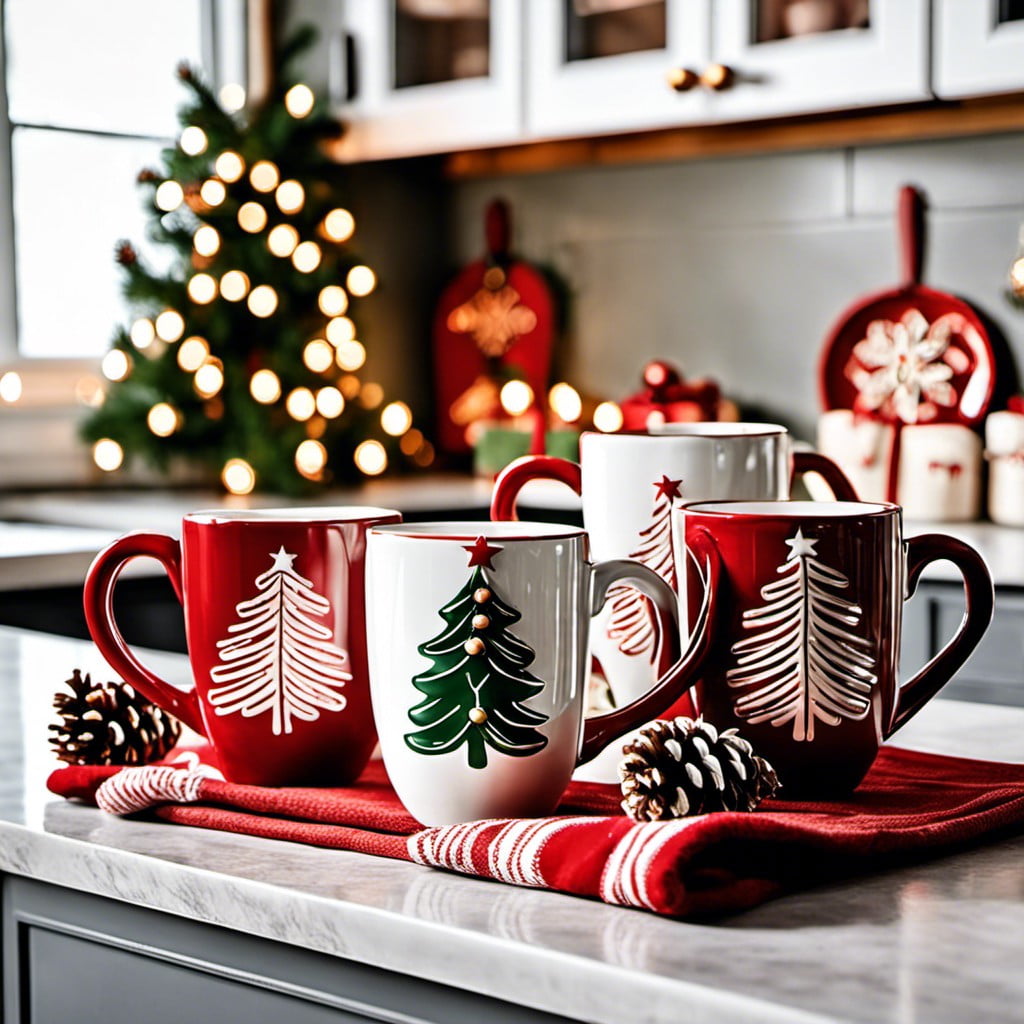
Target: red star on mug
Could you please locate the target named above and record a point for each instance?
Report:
(669, 488)
(481, 553)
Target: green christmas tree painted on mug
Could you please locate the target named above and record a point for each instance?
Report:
(475, 689)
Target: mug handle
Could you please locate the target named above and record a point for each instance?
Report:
(837, 480)
(517, 474)
(98, 600)
(600, 730)
(980, 598)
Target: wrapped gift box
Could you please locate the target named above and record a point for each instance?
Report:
(938, 468)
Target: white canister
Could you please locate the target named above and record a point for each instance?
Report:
(1004, 449)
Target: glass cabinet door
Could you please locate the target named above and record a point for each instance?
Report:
(596, 66)
(979, 47)
(801, 56)
(432, 75)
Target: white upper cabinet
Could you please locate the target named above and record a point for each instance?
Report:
(605, 65)
(432, 75)
(595, 66)
(979, 47)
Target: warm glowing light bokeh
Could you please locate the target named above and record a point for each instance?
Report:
(282, 240)
(306, 257)
(264, 176)
(192, 353)
(351, 355)
(193, 140)
(330, 402)
(565, 400)
(238, 476)
(299, 100)
(318, 355)
(107, 454)
(10, 386)
(116, 365)
(361, 280)
(339, 225)
(229, 166)
(290, 196)
(142, 333)
(170, 325)
(516, 397)
(371, 458)
(234, 285)
(162, 419)
(310, 458)
(252, 217)
(333, 300)
(232, 97)
(212, 192)
(339, 330)
(169, 196)
(206, 240)
(395, 418)
(209, 379)
(265, 386)
(262, 301)
(608, 417)
(300, 404)
(202, 288)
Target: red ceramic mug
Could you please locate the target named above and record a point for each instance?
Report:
(804, 645)
(275, 620)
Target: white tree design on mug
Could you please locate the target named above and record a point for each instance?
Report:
(804, 662)
(280, 659)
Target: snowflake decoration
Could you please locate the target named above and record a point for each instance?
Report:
(495, 318)
(902, 369)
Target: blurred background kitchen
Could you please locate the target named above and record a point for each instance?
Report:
(628, 211)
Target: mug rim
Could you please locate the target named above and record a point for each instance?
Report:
(737, 508)
(506, 531)
(704, 430)
(292, 516)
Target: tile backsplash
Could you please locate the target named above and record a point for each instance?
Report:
(736, 268)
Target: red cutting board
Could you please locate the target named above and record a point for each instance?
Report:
(496, 318)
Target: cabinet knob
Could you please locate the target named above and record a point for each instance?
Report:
(683, 79)
(718, 77)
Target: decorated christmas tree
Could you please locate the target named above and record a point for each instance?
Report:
(633, 618)
(244, 357)
(474, 691)
(804, 662)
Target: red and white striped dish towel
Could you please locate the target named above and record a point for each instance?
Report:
(910, 806)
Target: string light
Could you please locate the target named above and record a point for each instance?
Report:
(169, 196)
(10, 387)
(608, 417)
(209, 378)
(396, 418)
(229, 165)
(232, 98)
(1017, 276)
(206, 240)
(264, 176)
(234, 285)
(424, 455)
(516, 397)
(116, 365)
(202, 288)
(162, 419)
(310, 458)
(212, 192)
(107, 454)
(371, 395)
(566, 402)
(142, 333)
(262, 301)
(350, 355)
(339, 330)
(265, 387)
(333, 300)
(411, 442)
(170, 325)
(349, 385)
(282, 240)
(300, 404)
(299, 100)
(361, 280)
(339, 225)
(371, 458)
(330, 402)
(193, 140)
(290, 196)
(238, 476)
(252, 217)
(306, 257)
(192, 353)
(318, 355)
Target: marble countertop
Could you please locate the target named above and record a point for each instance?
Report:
(941, 941)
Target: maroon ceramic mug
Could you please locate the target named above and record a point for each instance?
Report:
(805, 641)
(275, 619)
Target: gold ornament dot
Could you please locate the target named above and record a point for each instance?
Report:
(481, 622)
(474, 645)
(482, 595)
(477, 716)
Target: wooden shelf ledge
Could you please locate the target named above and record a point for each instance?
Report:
(937, 120)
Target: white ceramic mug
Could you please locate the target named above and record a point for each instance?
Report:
(477, 636)
(629, 482)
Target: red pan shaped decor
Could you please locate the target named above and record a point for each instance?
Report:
(912, 354)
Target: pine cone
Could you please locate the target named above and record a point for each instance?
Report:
(673, 769)
(109, 723)
(125, 254)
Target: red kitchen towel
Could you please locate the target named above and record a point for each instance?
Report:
(911, 805)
